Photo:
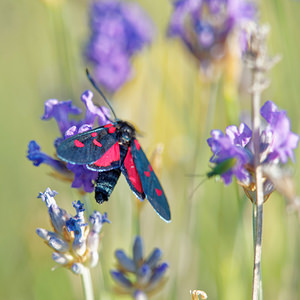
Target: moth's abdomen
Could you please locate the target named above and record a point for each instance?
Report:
(105, 184)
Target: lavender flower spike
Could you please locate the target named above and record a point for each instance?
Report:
(79, 175)
(149, 274)
(205, 26)
(233, 151)
(118, 31)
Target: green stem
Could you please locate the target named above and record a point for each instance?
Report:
(87, 204)
(87, 284)
(254, 213)
(200, 143)
(137, 218)
(61, 41)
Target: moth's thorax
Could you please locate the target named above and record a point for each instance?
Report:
(126, 132)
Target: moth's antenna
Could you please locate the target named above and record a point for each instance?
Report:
(100, 92)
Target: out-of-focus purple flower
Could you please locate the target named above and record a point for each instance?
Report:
(118, 31)
(75, 242)
(277, 143)
(114, 71)
(149, 273)
(204, 26)
(60, 111)
(283, 140)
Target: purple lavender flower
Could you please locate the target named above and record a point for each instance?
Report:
(231, 146)
(283, 140)
(149, 274)
(75, 242)
(205, 25)
(38, 157)
(60, 111)
(277, 143)
(119, 30)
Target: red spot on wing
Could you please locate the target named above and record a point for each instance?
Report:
(150, 168)
(158, 192)
(112, 129)
(138, 146)
(132, 172)
(94, 134)
(97, 143)
(111, 155)
(147, 173)
(78, 144)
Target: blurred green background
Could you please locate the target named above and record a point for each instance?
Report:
(208, 244)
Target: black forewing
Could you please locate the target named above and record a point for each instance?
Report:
(84, 148)
(151, 185)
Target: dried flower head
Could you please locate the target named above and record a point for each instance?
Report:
(196, 293)
(75, 242)
(139, 276)
(79, 175)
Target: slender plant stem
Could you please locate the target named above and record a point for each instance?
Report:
(137, 217)
(87, 284)
(256, 94)
(200, 144)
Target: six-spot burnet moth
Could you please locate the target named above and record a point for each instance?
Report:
(110, 150)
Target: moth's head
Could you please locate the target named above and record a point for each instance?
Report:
(127, 131)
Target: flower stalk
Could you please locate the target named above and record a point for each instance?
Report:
(256, 97)
(87, 284)
(259, 63)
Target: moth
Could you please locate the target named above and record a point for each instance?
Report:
(113, 149)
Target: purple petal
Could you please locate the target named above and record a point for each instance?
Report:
(97, 220)
(138, 250)
(126, 263)
(239, 136)
(60, 110)
(267, 111)
(71, 131)
(84, 178)
(94, 112)
(154, 258)
(231, 146)
(121, 279)
(283, 141)
(159, 273)
(38, 157)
